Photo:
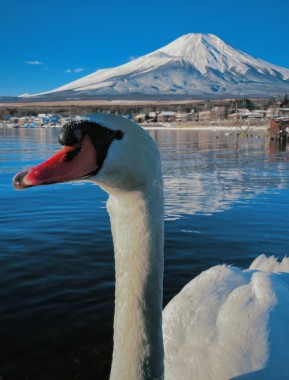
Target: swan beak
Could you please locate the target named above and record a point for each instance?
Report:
(69, 163)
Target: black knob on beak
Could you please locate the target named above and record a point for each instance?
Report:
(69, 134)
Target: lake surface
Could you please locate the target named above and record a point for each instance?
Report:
(226, 202)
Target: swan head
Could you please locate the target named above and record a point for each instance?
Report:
(109, 150)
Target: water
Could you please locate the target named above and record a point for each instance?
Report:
(226, 202)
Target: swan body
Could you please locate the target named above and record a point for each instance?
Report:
(227, 323)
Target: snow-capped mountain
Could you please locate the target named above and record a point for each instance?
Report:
(197, 65)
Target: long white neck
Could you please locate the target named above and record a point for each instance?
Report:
(137, 228)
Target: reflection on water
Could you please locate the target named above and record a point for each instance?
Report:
(226, 201)
(206, 172)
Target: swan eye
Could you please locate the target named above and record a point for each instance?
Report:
(118, 135)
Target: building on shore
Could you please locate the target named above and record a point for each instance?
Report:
(217, 113)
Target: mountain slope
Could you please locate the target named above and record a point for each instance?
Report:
(192, 65)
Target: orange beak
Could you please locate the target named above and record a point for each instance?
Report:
(69, 163)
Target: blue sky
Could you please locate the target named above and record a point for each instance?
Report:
(45, 44)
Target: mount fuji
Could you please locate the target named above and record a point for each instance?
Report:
(192, 66)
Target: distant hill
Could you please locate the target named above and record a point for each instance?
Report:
(9, 99)
(192, 66)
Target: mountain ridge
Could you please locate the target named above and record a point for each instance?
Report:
(194, 64)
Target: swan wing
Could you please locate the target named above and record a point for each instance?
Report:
(229, 322)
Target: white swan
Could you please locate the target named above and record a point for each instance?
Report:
(227, 323)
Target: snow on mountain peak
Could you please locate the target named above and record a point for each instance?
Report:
(193, 64)
(205, 51)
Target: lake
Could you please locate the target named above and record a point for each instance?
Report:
(226, 202)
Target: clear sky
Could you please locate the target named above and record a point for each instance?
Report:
(45, 44)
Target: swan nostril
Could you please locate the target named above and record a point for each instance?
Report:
(71, 155)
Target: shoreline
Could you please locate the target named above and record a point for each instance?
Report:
(198, 127)
(174, 126)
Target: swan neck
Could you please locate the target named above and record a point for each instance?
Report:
(137, 228)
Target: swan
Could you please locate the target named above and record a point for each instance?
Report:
(227, 323)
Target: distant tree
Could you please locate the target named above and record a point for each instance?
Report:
(250, 105)
(285, 101)
(13, 111)
(209, 105)
(227, 110)
(245, 103)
